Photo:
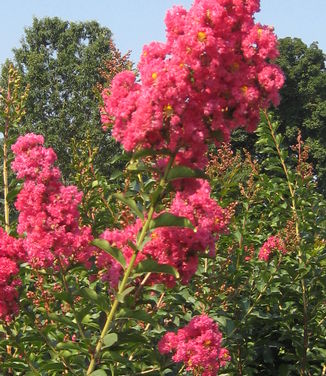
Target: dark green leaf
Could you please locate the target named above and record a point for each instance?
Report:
(180, 172)
(90, 294)
(113, 251)
(99, 372)
(151, 266)
(130, 203)
(137, 315)
(110, 339)
(150, 152)
(127, 291)
(168, 219)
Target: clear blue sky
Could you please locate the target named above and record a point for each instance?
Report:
(137, 22)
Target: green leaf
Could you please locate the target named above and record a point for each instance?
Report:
(62, 319)
(127, 291)
(13, 193)
(181, 172)
(156, 194)
(130, 203)
(110, 339)
(150, 152)
(115, 174)
(168, 219)
(131, 338)
(137, 315)
(113, 251)
(51, 366)
(151, 266)
(99, 372)
(89, 293)
(99, 299)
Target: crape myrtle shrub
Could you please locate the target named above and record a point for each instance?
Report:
(104, 306)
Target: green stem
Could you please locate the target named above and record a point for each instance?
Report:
(35, 371)
(300, 255)
(253, 305)
(72, 304)
(96, 355)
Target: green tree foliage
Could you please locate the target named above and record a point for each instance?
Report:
(303, 103)
(62, 62)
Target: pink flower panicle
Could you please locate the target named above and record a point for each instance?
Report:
(198, 346)
(11, 254)
(273, 243)
(212, 74)
(180, 247)
(49, 214)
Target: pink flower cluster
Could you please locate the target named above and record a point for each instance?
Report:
(12, 253)
(198, 346)
(178, 247)
(273, 243)
(49, 215)
(212, 75)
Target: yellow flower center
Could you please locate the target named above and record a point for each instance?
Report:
(201, 36)
(154, 76)
(168, 109)
(234, 67)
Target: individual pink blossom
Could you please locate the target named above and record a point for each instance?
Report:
(273, 243)
(198, 346)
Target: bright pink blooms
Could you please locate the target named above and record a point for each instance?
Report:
(11, 253)
(49, 214)
(198, 346)
(211, 76)
(181, 247)
(273, 243)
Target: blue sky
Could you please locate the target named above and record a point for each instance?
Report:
(137, 22)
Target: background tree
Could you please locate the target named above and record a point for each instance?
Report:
(303, 103)
(63, 62)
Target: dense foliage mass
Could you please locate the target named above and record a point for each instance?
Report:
(62, 62)
(212, 263)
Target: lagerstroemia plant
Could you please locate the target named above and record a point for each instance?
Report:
(213, 74)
